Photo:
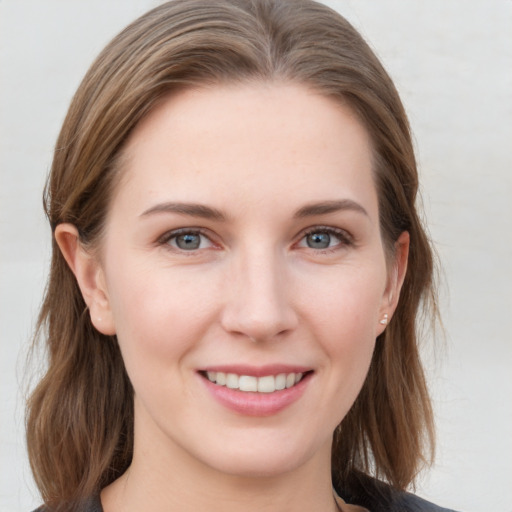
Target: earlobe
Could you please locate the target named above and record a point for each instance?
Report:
(395, 280)
(89, 275)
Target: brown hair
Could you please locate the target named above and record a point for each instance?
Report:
(80, 416)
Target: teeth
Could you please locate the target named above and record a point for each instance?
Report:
(266, 384)
(290, 380)
(248, 383)
(281, 381)
(232, 381)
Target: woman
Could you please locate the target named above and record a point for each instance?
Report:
(237, 270)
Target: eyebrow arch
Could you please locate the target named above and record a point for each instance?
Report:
(191, 209)
(326, 207)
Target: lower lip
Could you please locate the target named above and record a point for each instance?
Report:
(257, 404)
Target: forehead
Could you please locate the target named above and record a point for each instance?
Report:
(253, 141)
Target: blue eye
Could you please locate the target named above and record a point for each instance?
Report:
(187, 240)
(325, 238)
(318, 240)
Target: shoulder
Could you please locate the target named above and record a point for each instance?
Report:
(406, 502)
(401, 502)
(377, 496)
(92, 504)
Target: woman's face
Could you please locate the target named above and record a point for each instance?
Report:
(242, 249)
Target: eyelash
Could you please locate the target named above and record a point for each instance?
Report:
(346, 240)
(172, 235)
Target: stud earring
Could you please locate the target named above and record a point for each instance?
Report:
(384, 321)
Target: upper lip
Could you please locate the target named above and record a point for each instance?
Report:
(256, 371)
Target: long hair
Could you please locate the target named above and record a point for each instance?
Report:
(80, 416)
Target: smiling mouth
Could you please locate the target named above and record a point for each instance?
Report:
(250, 383)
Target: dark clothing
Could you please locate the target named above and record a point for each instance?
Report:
(92, 504)
(377, 496)
(407, 502)
(401, 502)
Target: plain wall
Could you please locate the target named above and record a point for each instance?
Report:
(452, 63)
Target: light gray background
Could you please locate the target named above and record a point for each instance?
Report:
(452, 63)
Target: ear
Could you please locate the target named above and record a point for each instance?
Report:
(395, 280)
(89, 275)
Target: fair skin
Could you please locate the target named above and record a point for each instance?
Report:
(243, 238)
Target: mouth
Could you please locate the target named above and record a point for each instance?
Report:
(253, 384)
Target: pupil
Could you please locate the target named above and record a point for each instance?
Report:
(188, 241)
(319, 240)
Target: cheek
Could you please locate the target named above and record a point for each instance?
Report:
(343, 318)
(159, 314)
(347, 301)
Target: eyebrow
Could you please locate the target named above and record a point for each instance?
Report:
(191, 209)
(325, 207)
(208, 212)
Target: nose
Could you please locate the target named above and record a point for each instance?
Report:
(259, 306)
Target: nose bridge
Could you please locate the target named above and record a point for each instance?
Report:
(259, 304)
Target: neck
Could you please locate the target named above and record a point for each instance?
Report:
(171, 480)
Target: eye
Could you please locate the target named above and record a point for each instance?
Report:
(325, 238)
(318, 240)
(187, 240)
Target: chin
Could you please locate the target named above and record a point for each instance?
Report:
(260, 467)
(270, 461)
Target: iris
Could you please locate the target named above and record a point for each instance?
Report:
(318, 240)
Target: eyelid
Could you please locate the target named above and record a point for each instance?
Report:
(346, 239)
(164, 239)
